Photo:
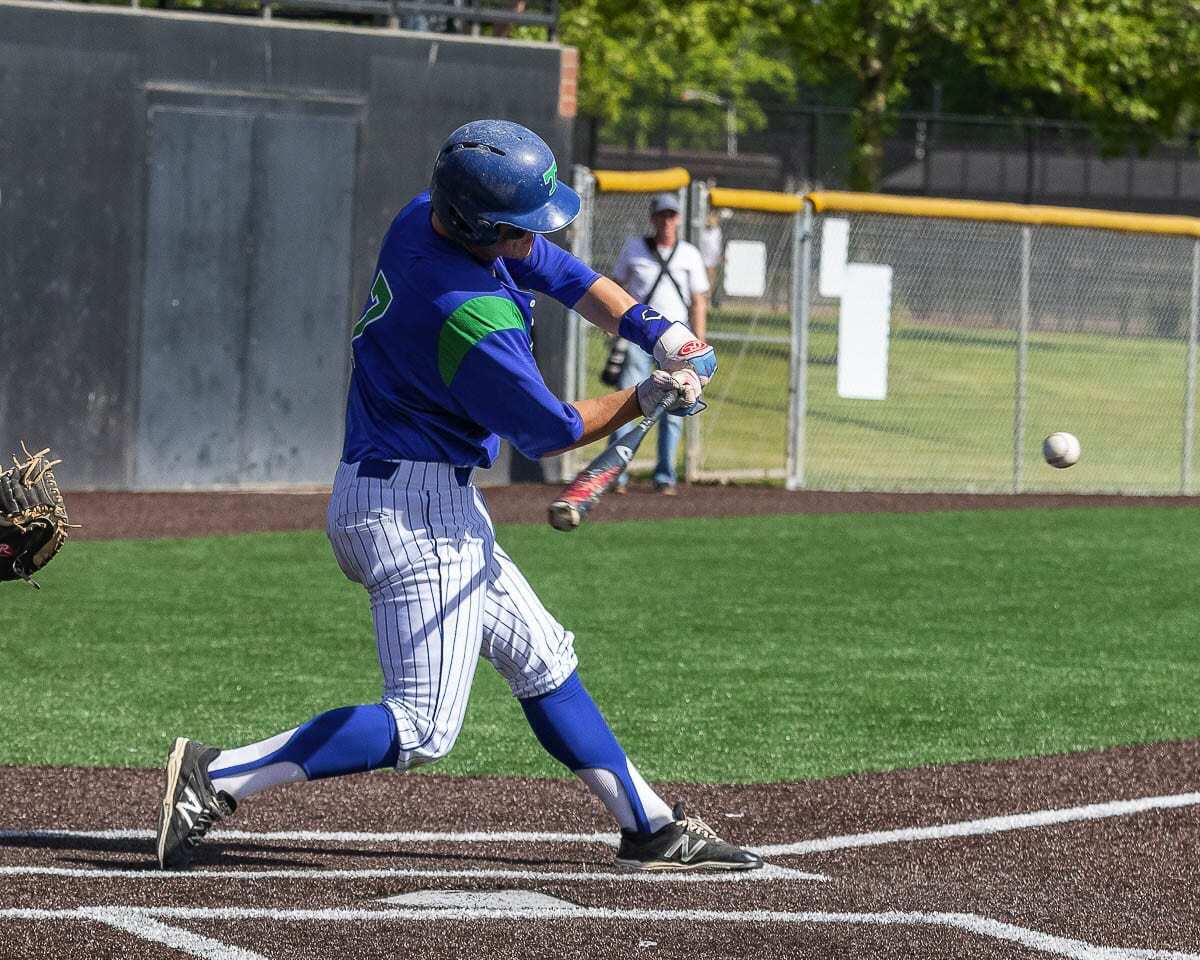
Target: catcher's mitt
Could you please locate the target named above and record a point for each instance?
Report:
(33, 517)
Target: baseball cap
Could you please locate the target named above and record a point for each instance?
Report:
(663, 202)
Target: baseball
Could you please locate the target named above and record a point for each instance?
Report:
(1061, 449)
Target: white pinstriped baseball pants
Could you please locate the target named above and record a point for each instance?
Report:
(443, 593)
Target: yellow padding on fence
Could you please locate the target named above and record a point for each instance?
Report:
(642, 181)
(837, 201)
(765, 200)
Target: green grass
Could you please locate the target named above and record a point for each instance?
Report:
(947, 422)
(768, 648)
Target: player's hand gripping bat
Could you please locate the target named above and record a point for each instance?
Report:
(590, 484)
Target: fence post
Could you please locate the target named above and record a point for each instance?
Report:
(581, 246)
(798, 374)
(1022, 360)
(692, 441)
(1189, 408)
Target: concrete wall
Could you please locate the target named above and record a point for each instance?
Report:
(190, 209)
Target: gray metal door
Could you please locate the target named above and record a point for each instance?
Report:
(246, 299)
(300, 312)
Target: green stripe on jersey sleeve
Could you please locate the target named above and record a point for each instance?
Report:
(469, 324)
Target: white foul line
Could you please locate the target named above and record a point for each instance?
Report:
(769, 872)
(967, 922)
(1000, 824)
(968, 828)
(145, 927)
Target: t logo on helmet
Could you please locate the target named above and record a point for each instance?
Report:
(550, 177)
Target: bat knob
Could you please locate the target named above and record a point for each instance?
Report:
(564, 516)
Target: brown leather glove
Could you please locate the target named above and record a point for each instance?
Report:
(33, 516)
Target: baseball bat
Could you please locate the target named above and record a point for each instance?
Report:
(591, 483)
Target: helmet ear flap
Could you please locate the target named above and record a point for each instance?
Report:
(479, 232)
(458, 223)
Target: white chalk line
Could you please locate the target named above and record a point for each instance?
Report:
(334, 836)
(969, 828)
(968, 922)
(144, 927)
(769, 872)
(987, 825)
(141, 925)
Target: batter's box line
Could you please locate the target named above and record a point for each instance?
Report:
(966, 828)
(768, 872)
(146, 924)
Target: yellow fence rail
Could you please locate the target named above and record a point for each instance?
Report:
(766, 201)
(641, 181)
(836, 201)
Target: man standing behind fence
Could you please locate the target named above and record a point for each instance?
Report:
(667, 274)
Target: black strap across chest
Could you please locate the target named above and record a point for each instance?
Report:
(664, 264)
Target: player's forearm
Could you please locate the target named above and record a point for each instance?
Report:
(698, 315)
(604, 304)
(603, 415)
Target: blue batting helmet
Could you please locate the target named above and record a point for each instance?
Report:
(494, 172)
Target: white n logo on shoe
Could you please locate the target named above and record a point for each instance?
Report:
(690, 847)
(189, 805)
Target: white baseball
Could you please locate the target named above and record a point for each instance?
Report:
(1061, 449)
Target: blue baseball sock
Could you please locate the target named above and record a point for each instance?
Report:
(331, 744)
(569, 725)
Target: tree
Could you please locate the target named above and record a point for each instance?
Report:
(1123, 63)
(1130, 66)
(634, 54)
(869, 43)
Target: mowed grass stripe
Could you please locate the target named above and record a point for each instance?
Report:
(757, 649)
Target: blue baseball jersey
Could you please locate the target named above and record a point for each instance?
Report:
(443, 358)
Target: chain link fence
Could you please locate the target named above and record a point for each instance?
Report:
(752, 322)
(999, 333)
(616, 206)
(940, 340)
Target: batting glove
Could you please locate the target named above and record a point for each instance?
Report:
(678, 347)
(660, 384)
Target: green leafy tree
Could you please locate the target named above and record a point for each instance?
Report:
(870, 45)
(1127, 64)
(1130, 66)
(636, 55)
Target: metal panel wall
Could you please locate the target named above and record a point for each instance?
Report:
(243, 381)
(296, 372)
(69, 177)
(194, 314)
(247, 283)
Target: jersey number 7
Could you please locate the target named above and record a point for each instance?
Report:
(377, 306)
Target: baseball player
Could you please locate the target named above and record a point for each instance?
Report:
(669, 275)
(442, 370)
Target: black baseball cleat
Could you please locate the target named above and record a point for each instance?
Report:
(687, 844)
(190, 804)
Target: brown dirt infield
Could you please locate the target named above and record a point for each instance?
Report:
(107, 516)
(294, 877)
(1124, 882)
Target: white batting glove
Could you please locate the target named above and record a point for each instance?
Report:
(660, 384)
(678, 347)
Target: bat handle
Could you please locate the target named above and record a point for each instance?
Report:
(662, 407)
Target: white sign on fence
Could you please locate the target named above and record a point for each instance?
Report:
(835, 246)
(862, 349)
(745, 268)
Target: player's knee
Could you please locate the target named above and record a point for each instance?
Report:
(533, 676)
(424, 738)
